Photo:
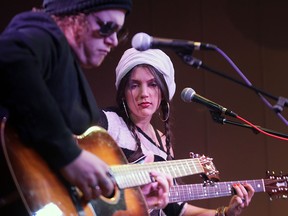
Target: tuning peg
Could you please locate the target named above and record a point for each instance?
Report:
(270, 175)
(193, 155)
(209, 183)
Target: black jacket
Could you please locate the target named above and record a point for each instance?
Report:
(43, 87)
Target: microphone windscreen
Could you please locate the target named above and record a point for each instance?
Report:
(187, 94)
(141, 41)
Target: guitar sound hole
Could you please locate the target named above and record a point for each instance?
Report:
(113, 198)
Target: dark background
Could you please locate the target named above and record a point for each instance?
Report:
(254, 35)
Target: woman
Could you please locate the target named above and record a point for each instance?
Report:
(145, 84)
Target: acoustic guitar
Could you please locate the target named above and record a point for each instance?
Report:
(43, 192)
(275, 186)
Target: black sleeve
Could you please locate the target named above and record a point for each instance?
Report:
(103, 121)
(173, 209)
(23, 90)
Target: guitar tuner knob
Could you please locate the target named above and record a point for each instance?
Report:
(192, 154)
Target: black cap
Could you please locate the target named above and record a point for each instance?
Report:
(67, 7)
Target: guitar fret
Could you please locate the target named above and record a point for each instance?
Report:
(126, 177)
(131, 175)
(199, 191)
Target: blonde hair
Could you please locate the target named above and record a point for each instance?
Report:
(77, 23)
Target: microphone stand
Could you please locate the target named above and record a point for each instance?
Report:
(278, 107)
(218, 118)
(199, 64)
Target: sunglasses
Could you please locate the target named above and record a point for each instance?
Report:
(109, 28)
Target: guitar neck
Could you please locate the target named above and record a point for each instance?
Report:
(188, 192)
(131, 175)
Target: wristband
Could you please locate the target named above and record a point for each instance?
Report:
(221, 211)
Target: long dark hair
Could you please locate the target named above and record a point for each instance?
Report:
(164, 106)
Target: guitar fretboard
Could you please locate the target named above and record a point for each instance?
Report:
(181, 193)
(131, 175)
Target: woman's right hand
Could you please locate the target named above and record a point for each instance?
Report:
(156, 193)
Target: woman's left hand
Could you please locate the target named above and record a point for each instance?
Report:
(240, 201)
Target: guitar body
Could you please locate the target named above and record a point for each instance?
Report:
(126, 202)
(39, 186)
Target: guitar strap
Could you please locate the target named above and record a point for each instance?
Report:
(155, 212)
(149, 138)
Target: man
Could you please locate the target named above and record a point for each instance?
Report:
(44, 89)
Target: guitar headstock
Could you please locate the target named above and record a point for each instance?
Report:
(210, 172)
(276, 185)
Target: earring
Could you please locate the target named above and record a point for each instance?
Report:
(168, 113)
(125, 109)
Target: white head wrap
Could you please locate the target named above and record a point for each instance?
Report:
(153, 57)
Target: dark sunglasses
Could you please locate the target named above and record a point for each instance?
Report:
(109, 28)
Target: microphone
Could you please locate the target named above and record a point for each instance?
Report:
(188, 95)
(142, 41)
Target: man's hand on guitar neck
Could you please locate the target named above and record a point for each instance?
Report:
(90, 174)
